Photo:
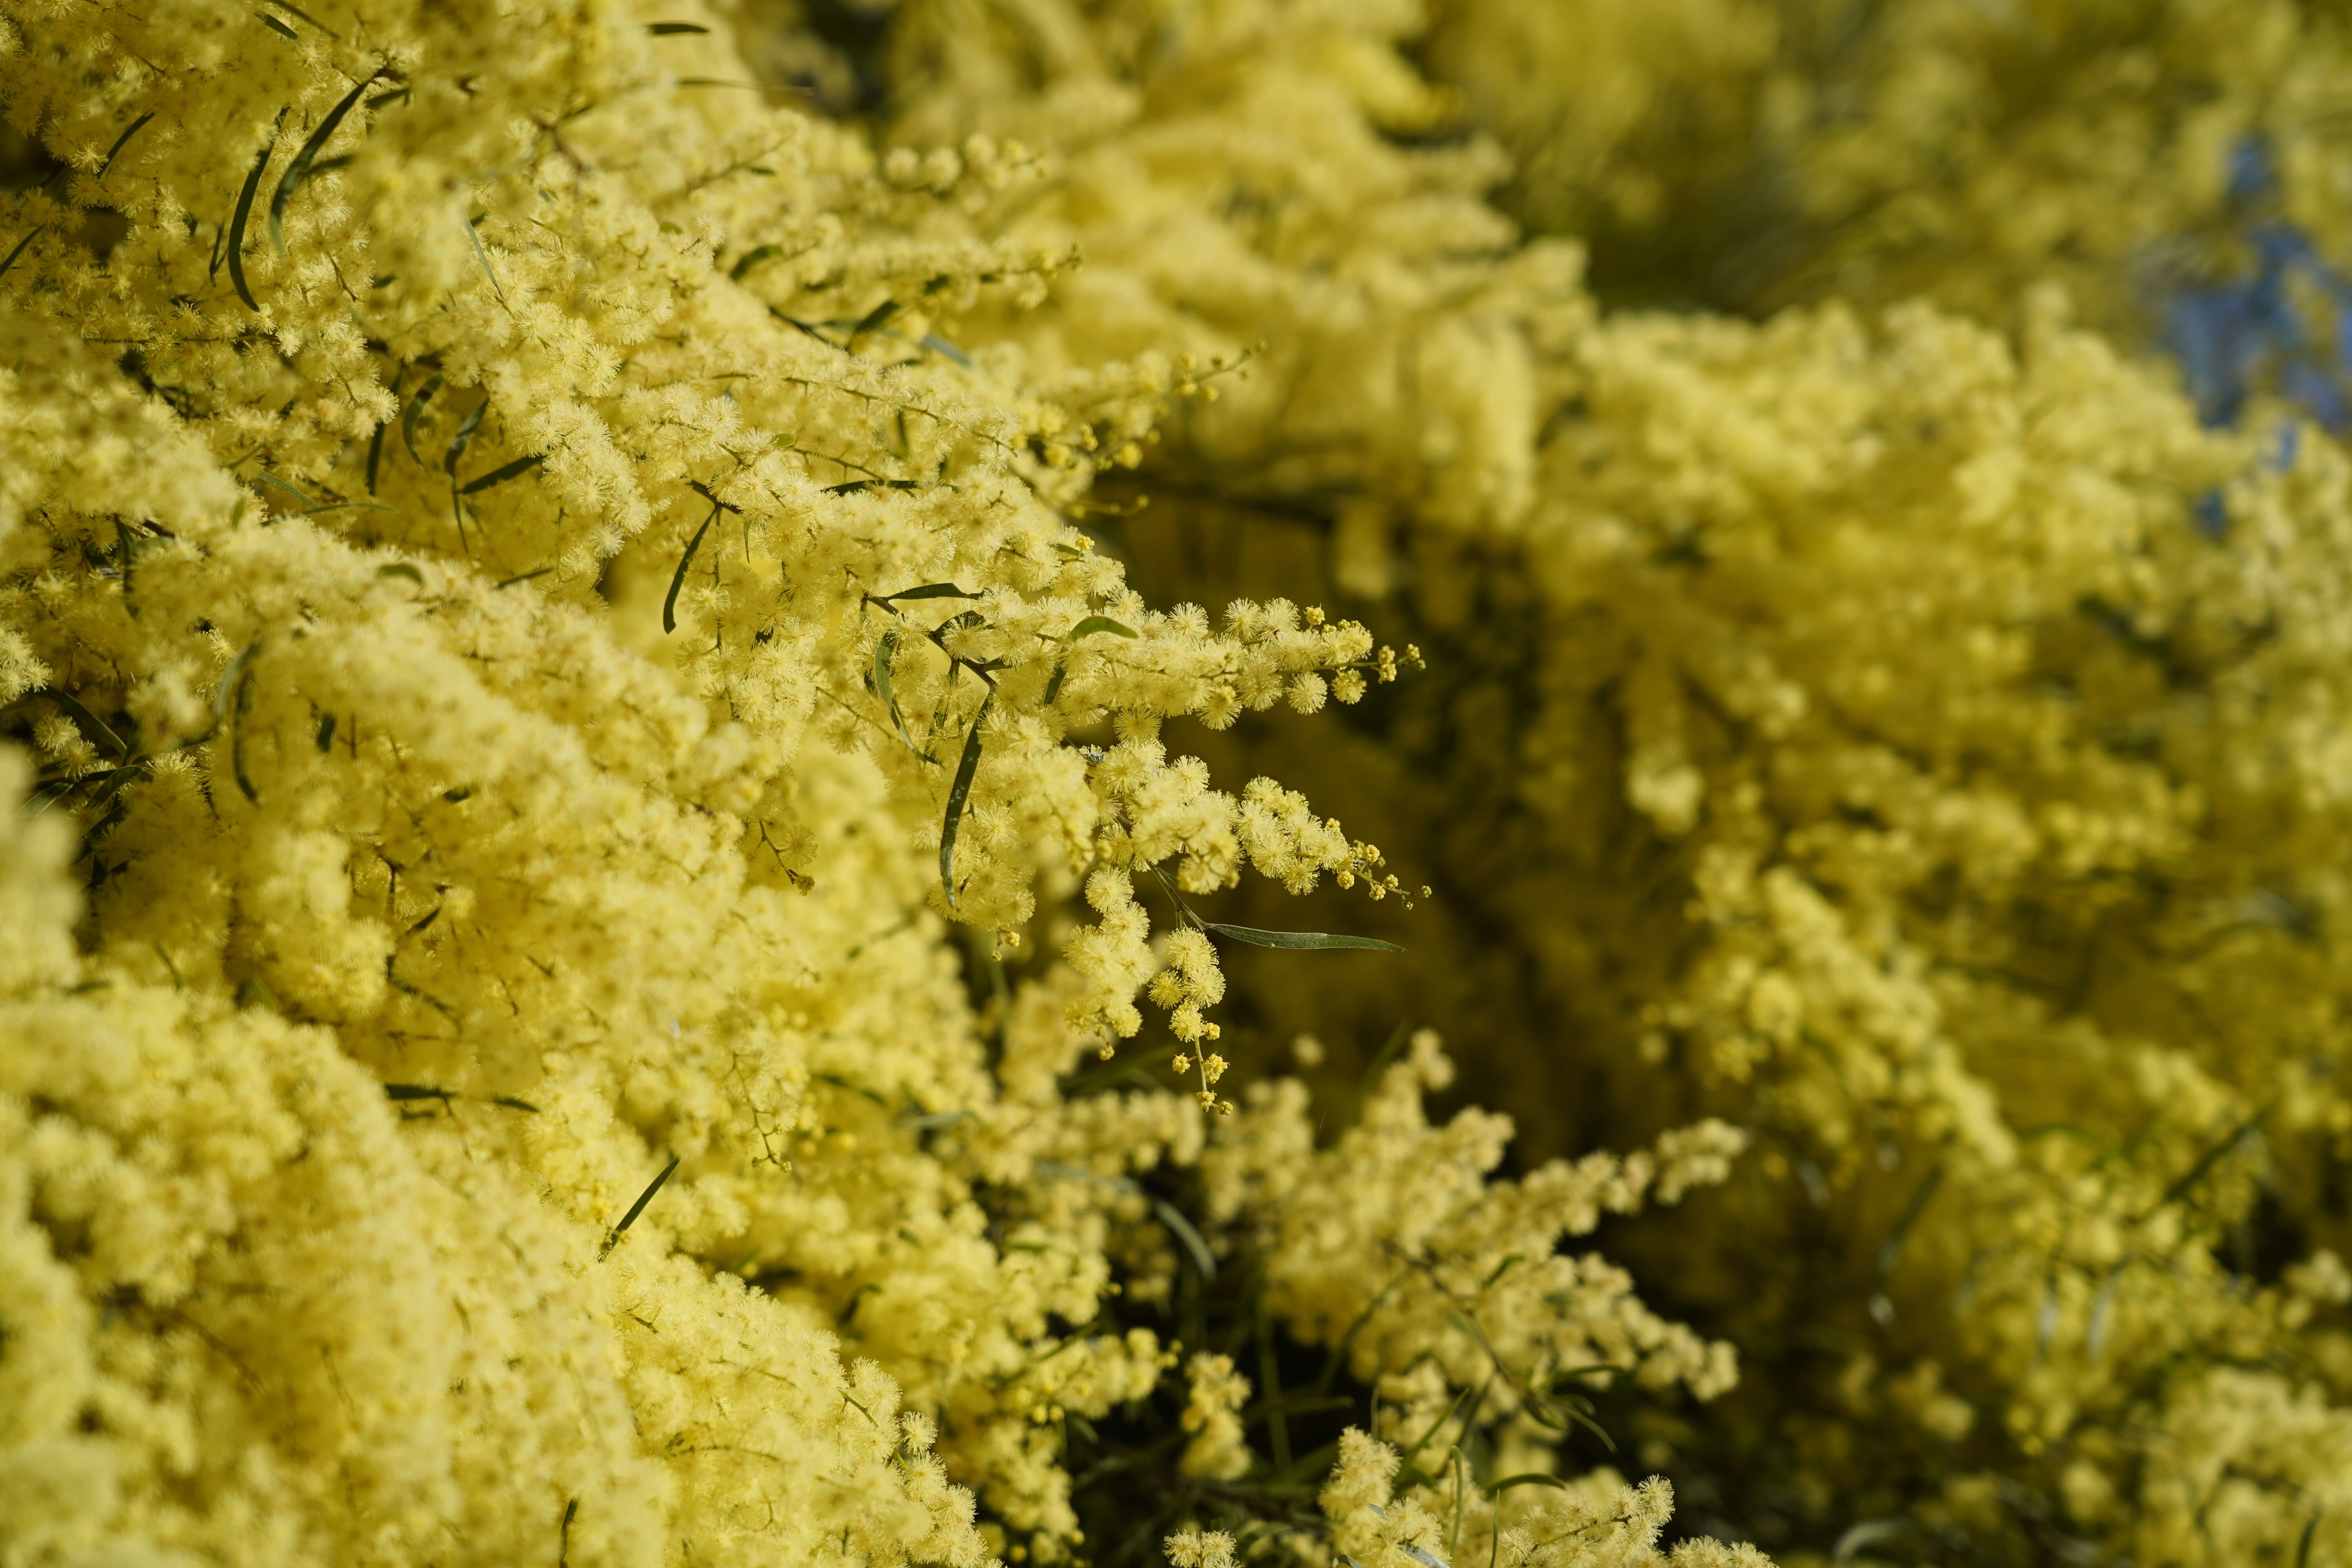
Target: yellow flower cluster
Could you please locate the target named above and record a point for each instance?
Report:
(601, 724)
(537, 591)
(1896, 728)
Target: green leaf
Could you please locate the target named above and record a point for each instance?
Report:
(245, 209)
(403, 1091)
(521, 577)
(465, 435)
(503, 473)
(254, 991)
(636, 1208)
(19, 251)
(298, 11)
(2211, 1157)
(750, 258)
(668, 29)
(275, 26)
(1094, 624)
(1181, 1229)
(1302, 940)
(376, 454)
(1461, 1404)
(103, 733)
(326, 736)
(940, 345)
(115, 782)
(401, 569)
(927, 591)
(1868, 1534)
(1890, 1249)
(872, 318)
(242, 705)
(1053, 683)
(299, 169)
(677, 580)
(121, 142)
(415, 411)
(1526, 1478)
(231, 679)
(266, 476)
(883, 651)
(958, 793)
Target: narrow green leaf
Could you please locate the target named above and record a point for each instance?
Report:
(254, 991)
(884, 652)
(48, 795)
(750, 258)
(326, 736)
(677, 580)
(231, 679)
(927, 591)
(1502, 1268)
(376, 454)
(1269, 1382)
(100, 730)
(522, 577)
(511, 1103)
(1526, 1478)
(1868, 1534)
(1302, 940)
(114, 781)
(465, 436)
(298, 11)
(121, 142)
(266, 476)
(666, 29)
(958, 793)
(416, 411)
(299, 169)
(1890, 1249)
(1053, 683)
(242, 705)
(1427, 1559)
(401, 1091)
(872, 318)
(474, 235)
(245, 211)
(1461, 1402)
(940, 345)
(1094, 624)
(1181, 1229)
(401, 569)
(275, 26)
(636, 1208)
(2212, 1157)
(19, 249)
(503, 473)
